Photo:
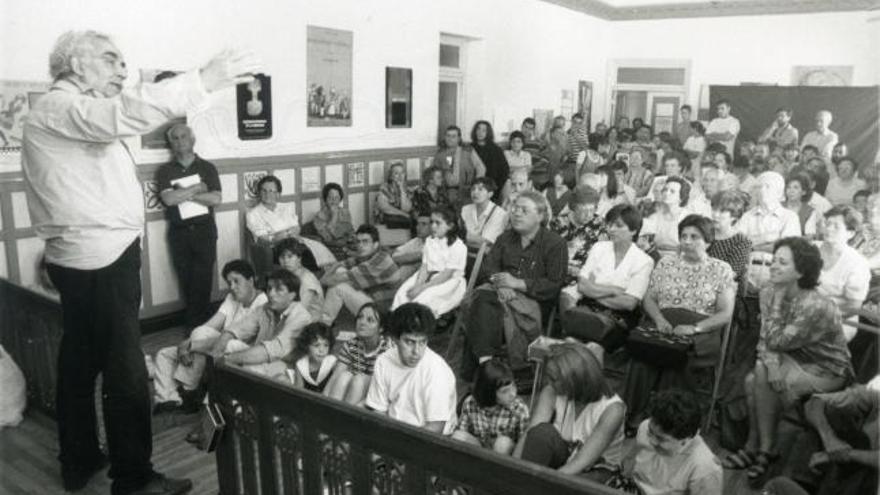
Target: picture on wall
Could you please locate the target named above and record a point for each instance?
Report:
(155, 140)
(329, 76)
(585, 101)
(398, 97)
(254, 108)
(822, 75)
(16, 99)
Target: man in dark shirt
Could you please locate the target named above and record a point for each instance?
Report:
(525, 268)
(190, 188)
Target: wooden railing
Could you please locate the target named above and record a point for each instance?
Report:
(280, 440)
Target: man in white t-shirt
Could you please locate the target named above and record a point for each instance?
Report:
(411, 383)
(724, 128)
(180, 368)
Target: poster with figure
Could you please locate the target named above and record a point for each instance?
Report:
(16, 99)
(329, 76)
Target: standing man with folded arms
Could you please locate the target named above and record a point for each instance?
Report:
(86, 203)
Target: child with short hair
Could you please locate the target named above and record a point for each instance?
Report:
(312, 371)
(493, 416)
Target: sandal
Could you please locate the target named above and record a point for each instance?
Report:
(742, 459)
(757, 472)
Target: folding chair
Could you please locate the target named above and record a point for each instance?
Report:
(719, 371)
(459, 321)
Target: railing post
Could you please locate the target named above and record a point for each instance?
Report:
(414, 482)
(311, 454)
(266, 451)
(360, 470)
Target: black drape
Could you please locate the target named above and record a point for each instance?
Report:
(856, 112)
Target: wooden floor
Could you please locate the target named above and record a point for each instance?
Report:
(28, 453)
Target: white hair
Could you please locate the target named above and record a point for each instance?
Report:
(774, 180)
(69, 45)
(824, 115)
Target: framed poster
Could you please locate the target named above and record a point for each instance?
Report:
(254, 108)
(398, 97)
(357, 174)
(822, 75)
(328, 77)
(16, 99)
(585, 102)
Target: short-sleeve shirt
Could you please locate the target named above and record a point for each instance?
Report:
(488, 423)
(847, 280)
(170, 172)
(695, 470)
(234, 311)
(632, 274)
(728, 124)
(354, 355)
(490, 224)
(263, 221)
(414, 395)
(839, 193)
(824, 142)
(762, 226)
(438, 255)
(676, 283)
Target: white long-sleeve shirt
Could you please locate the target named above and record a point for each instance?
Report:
(83, 193)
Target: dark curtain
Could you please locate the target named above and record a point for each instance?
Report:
(856, 112)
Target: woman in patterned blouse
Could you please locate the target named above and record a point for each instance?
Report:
(801, 351)
(691, 281)
(351, 377)
(432, 194)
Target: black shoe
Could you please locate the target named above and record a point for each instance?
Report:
(75, 478)
(160, 485)
(166, 407)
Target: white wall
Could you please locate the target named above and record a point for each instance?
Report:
(731, 50)
(522, 57)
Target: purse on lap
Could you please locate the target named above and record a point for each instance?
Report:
(669, 350)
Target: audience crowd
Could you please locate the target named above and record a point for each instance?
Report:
(646, 246)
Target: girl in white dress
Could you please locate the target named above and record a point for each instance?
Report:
(439, 284)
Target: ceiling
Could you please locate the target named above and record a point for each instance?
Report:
(625, 10)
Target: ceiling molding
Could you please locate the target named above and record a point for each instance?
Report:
(602, 10)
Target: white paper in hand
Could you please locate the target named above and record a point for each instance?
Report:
(189, 209)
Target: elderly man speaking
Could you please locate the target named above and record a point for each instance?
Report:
(525, 268)
(86, 203)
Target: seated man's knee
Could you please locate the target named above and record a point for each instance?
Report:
(749, 382)
(235, 345)
(166, 354)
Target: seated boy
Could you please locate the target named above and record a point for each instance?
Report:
(411, 383)
(369, 276)
(670, 455)
(273, 329)
(182, 366)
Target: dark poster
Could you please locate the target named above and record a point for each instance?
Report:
(254, 102)
(856, 112)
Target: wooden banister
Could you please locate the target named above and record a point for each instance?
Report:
(289, 441)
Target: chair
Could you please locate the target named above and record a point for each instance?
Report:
(719, 372)
(457, 329)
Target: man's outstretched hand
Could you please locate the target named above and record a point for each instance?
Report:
(228, 68)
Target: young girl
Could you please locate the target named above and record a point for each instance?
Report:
(493, 416)
(312, 371)
(439, 284)
(350, 380)
(558, 194)
(295, 257)
(516, 157)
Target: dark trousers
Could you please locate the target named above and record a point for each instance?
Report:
(102, 335)
(194, 252)
(546, 447)
(484, 331)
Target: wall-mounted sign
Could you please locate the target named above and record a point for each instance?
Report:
(254, 102)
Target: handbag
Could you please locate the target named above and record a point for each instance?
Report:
(663, 350)
(670, 350)
(595, 323)
(212, 426)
